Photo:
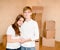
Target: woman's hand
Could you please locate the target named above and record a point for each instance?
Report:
(22, 40)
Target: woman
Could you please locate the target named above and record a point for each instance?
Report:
(29, 29)
(13, 34)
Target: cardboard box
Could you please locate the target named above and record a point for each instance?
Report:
(50, 25)
(50, 34)
(48, 42)
(49, 29)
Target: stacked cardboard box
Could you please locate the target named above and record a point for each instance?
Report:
(50, 25)
(48, 42)
(49, 34)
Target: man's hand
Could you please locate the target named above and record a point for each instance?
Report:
(22, 40)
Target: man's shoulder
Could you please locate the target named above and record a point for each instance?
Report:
(34, 21)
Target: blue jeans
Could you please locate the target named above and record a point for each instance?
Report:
(14, 49)
(27, 48)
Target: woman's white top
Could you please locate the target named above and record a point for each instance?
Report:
(15, 45)
(29, 29)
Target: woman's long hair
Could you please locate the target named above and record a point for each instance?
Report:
(15, 25)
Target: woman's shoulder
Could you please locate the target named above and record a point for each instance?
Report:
(10, 30)
(10, 27)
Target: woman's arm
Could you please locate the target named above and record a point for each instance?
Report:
(25, 40)
(9, 39)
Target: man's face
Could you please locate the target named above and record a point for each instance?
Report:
(27, 13)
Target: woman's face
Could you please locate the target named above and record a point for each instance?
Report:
(27, 13)
(20, 21)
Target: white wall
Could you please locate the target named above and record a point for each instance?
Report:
(57, 20)
(9, 9)
(51, 12)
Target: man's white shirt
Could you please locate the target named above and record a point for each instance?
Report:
(29, 30)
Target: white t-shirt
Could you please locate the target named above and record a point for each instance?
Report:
(29, 29)
(10, 31)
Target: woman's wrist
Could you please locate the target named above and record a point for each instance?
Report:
(28, 40)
